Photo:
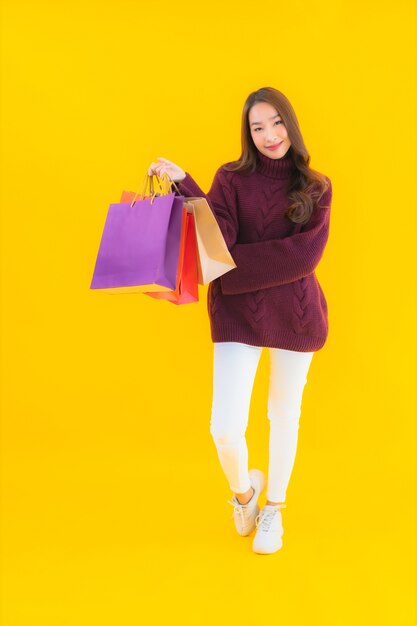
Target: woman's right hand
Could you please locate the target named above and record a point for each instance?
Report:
(163, 165)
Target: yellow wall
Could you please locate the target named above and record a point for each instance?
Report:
(114, 503)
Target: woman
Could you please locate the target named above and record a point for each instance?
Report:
(274, 212)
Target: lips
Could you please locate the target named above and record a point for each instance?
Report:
(275, 147)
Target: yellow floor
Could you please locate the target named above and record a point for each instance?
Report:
(84, 548)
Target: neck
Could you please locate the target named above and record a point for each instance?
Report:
(275, 168)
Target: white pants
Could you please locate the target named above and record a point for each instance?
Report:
(235, 366)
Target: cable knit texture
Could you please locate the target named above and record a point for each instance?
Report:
(272, 298)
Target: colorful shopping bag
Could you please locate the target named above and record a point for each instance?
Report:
(214, 258)
(186, 290)
(140, 245)
(187, 287)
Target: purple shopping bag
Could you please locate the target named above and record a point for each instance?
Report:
(140, 246)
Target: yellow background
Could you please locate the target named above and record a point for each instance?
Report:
(114, 504)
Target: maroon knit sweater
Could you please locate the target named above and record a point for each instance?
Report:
(272, 298)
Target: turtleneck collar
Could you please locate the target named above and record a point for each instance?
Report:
(274, 168)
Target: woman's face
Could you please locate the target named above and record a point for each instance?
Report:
(267, 129)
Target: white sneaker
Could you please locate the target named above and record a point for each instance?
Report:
(269, 530)
(244, 515)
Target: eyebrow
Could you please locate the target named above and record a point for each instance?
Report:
(271, 118)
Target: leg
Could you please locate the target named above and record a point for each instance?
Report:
(288, 376)
(235, 366)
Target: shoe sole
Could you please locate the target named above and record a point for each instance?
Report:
(260, 551)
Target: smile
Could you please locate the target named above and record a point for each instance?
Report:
(275, 147)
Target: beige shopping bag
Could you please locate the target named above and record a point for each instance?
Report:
(213, 257)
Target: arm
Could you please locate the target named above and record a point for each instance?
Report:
(188, 186)
(221, 199)
(278, 261)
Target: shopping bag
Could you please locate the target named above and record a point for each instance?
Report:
(186, 290)
(214, 258)
(187, 287)
(140, 245)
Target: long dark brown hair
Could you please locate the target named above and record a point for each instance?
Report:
(306, 186)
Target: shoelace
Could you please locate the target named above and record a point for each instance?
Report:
(265, 517)
(240, 509)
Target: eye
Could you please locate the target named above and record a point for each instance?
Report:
(277, 122)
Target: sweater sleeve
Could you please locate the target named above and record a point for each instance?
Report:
(221, 199)
(275, 262)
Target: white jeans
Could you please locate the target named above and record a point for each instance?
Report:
(235, 366)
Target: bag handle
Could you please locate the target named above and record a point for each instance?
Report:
(149, 180)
